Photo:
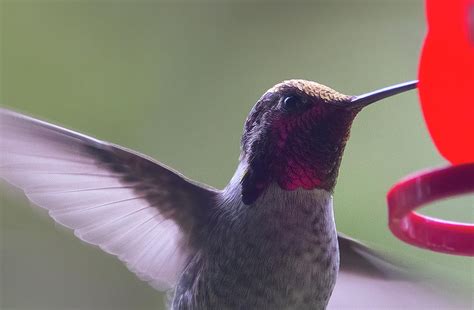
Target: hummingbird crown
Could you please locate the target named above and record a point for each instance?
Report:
(295, 136)
(310, 89)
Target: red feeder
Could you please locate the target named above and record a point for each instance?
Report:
(446, 78)
(427, 232)
(446, 91)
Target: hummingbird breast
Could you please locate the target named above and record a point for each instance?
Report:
(279, 253)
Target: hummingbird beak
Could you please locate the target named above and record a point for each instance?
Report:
(368, 98)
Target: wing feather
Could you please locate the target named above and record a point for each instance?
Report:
(124, 202)
(368, 280)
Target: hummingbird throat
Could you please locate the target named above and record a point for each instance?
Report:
(297, 153)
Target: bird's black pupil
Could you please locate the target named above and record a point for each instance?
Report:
(290, 102)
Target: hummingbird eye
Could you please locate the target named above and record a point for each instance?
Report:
(291, 103)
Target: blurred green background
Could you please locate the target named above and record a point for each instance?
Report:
(176, 81)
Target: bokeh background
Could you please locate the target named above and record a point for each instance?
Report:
(175, 80)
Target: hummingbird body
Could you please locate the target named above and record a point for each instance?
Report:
(279, 253)
(273, 244)
(266, 241)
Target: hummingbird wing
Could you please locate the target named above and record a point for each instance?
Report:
(367, 280)
(126, 203)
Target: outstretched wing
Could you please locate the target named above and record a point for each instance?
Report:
(367, 280)
(129, 205)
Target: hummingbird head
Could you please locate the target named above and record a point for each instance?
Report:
(296, 133)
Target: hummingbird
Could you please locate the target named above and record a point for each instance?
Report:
(268, 240)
